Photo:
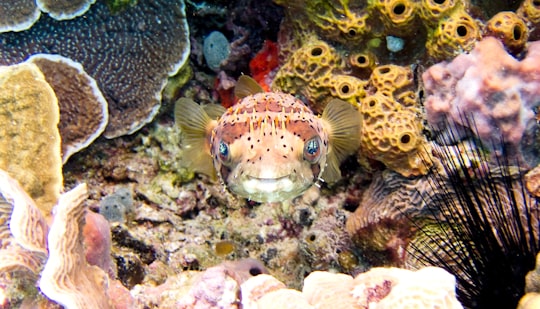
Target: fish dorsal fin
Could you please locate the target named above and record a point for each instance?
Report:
(343, 124)
(194, 121)
(246, 86)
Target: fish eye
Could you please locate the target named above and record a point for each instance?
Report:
(312, 149)
(223, 152)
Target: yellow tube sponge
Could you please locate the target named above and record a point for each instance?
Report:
(510, 28)
(453, 35)
(392, 122)
(530, 9)
(347, 88)
(29, 115)
(431, 11)
(336, 20)
(309, 72)
(396, 14)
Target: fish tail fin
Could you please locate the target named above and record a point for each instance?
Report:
(196, 124)
(344, 124)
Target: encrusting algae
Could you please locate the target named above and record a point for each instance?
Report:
(270, 147)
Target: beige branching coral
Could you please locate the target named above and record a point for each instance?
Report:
(67, 278)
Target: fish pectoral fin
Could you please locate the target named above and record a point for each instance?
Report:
(196, 125)
(214, 111)
(343, 122)
(246, 86)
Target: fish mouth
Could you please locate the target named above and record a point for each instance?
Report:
(254, 185)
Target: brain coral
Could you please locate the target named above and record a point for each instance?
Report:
(130, 54)
(392, 122)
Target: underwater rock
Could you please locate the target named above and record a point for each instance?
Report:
(115, 207)
(130, 54)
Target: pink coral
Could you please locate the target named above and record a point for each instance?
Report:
(490, 87)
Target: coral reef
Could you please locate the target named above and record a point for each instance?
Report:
(66, 277)
(499, 100)
(18, 15)
(378, 288)
(380, 227)
(392, 122)
(23, 247)
(130, 54)
(83, 109)
(62, 10)
(30, 115)
(30, 251)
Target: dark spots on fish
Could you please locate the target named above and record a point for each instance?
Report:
(260, 158)
(282, 136)
(285, 157)
(284, 146)
(294, 170)
(251, 146)
(267, 149)
(249, 139)
(258, 141)
(292, 149)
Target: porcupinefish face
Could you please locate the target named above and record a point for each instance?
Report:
(269, 147)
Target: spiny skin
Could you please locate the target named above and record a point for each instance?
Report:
(269, 147)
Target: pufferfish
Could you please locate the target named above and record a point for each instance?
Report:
(268, 147)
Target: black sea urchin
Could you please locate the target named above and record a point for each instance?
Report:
(485, 226)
